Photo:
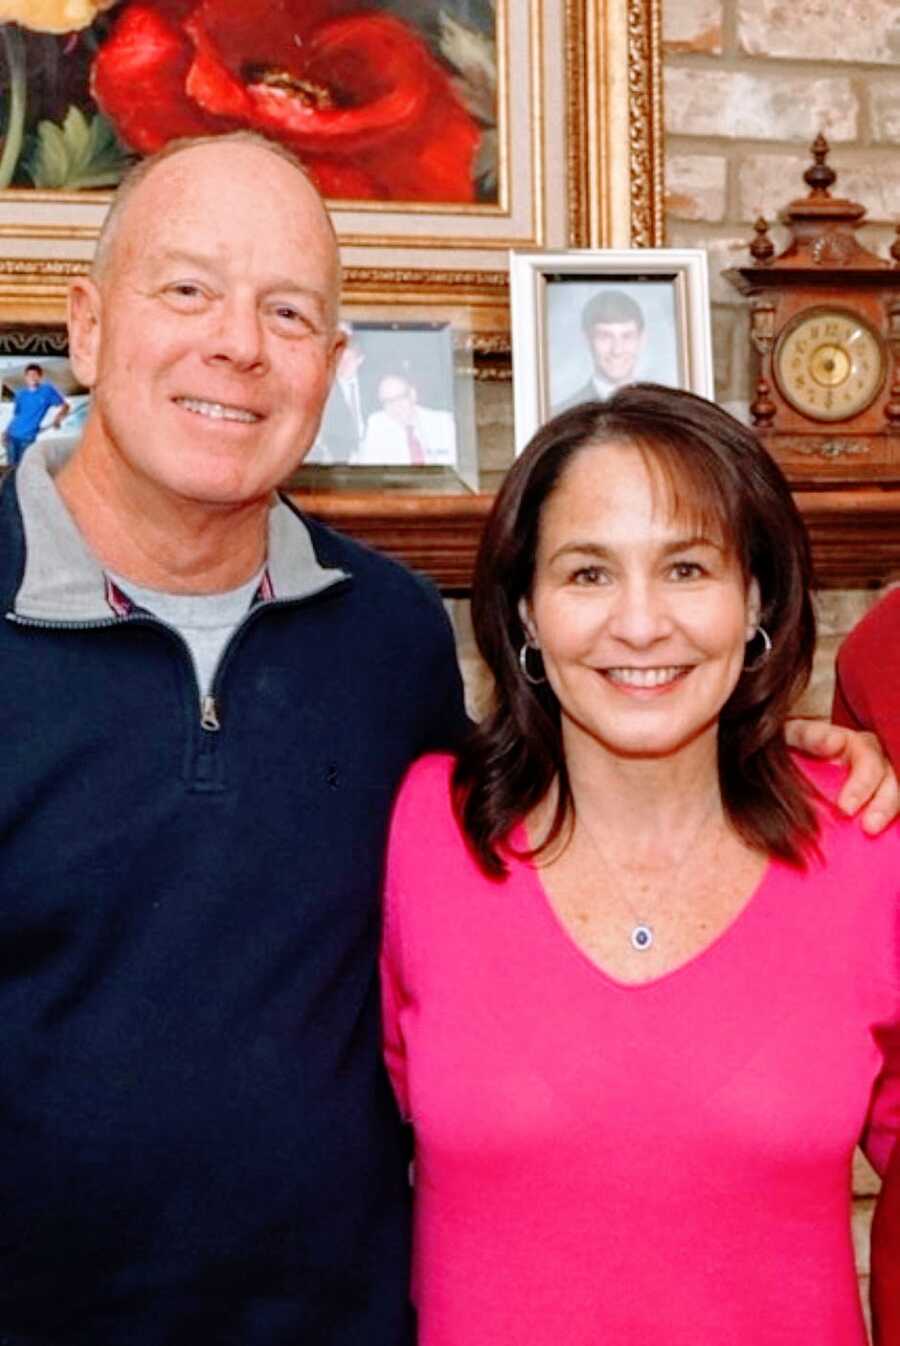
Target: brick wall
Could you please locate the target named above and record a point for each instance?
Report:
(748, 84)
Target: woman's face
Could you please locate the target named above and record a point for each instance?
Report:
(641, 622)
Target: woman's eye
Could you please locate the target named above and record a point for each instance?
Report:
(687, 570)
(589, 575)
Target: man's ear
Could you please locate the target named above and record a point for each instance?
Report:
(84, 330)
(527, 622)
(338, 346)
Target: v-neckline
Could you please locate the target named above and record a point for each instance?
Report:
(743, 916)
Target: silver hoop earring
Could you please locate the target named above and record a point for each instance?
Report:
(523, 665)
(763, 657)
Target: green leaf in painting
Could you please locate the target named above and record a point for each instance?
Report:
(76, 155)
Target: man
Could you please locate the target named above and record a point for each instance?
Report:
(613, 326)
(867, 696)
(208, 704)
(344, 422)
(403, 432)
(30, 406)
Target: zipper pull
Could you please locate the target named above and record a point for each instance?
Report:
(209, 714)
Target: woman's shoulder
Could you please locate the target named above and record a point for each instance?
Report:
(425, 793)
(840, 834)
(428, 775)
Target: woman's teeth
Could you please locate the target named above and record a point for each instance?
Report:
(644, 677)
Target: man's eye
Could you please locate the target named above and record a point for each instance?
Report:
(287, 316)
(184, 291)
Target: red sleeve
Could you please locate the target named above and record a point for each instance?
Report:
(867, 690)
(841, 710)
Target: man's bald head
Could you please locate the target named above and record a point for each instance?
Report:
(145, 168)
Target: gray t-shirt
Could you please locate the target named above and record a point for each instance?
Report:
(204, 621)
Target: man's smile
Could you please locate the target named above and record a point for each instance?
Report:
(218, 411)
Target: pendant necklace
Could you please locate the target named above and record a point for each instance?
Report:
(642, 935)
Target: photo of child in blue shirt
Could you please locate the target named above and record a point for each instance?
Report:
(30, 406)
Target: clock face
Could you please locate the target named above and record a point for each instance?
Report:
(829, 363)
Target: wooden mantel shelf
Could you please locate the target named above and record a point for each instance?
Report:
(855, 533)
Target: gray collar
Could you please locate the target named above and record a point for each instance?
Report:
(64, 581)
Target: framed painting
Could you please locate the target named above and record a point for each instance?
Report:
(585, 323)
(442, 135)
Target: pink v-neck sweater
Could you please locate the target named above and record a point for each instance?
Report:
(608, 1165)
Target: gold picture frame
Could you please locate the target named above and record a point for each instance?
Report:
(581, 155)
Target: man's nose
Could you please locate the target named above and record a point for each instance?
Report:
(237, 336)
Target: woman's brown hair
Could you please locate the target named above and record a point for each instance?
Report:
(716, 473)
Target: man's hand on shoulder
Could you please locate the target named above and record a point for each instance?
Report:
(871, 785)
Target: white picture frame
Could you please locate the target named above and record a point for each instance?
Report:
(652, 324)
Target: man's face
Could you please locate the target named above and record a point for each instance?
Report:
(210, 339)
(615, 347)
(32, 378)
(398, 399)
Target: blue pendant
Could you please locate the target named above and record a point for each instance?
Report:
(641, 938)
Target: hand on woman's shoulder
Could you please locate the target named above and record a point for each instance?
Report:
(837, 827)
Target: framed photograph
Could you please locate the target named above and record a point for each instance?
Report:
(587, 322)
(40, 399)
(442, 135)
(401, 400)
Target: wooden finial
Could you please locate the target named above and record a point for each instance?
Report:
(762, 408)
(819, 177)
(762, 248)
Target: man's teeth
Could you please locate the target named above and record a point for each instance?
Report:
(217, 410)
(644, 677)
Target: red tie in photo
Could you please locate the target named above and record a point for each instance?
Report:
(416, 452)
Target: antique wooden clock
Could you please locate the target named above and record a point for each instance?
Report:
(825, 328)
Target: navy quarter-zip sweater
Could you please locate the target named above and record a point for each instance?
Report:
(198, 1146)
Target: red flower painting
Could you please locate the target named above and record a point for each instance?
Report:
(355, 92)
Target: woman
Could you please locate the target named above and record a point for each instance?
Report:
(639, 973)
